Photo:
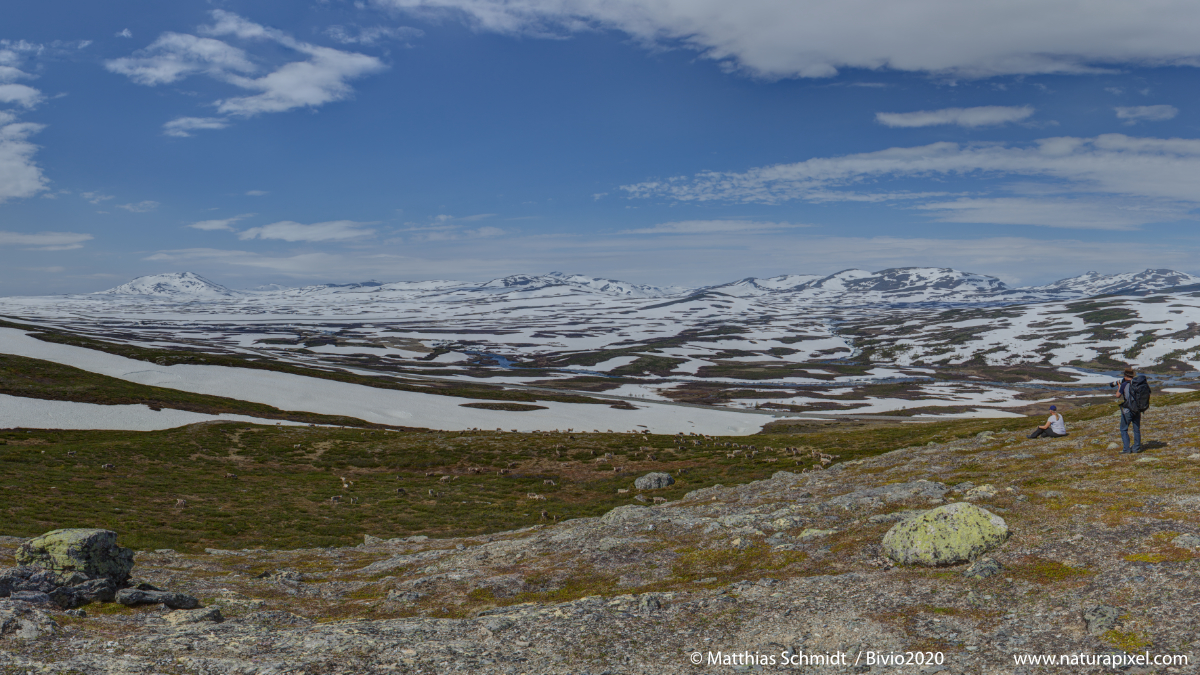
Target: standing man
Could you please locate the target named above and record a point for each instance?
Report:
(1130, 416)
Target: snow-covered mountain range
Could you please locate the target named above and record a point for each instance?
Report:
(849, 287)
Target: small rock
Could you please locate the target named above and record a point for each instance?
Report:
(1114, 446)
(1101, 619)
(497, 623)
(1194, 455)
(986, 491)
(403, 596)
(985, 435)
(654, 481)
(183, 617)
(1187, 541)
(131, 597)
(649, 603)
(96, 590)
(947, 535)
(812, 532)
(983, 568)
(1053, 494)
(1146, 460)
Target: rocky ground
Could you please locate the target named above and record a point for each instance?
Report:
(1102, 558)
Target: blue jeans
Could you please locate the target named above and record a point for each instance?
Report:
(1131, 419)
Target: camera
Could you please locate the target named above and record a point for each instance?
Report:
(1114, 384)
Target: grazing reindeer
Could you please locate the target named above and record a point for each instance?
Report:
(401, 491)
(70, 453)
(544, 516)
(445, 479)
(660, 500)
(108, 466)
(548, 482)
(346, 483)
(231, 476)
(354, 500)
(536, 497)
(335, 499)
(180, 503)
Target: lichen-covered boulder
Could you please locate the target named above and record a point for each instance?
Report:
(947, 535)
(87, 551)
(654, 481)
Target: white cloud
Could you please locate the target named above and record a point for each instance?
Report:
(310, 265)
(125, 34)
(1146, 113)
(181, 127)
(1148, 175)
(174, 56)
(45, 241)
(140, 207)
(22, 95)
(321, 77)
(784, 38)
(19, 176)
(256, 193)
(712, 227)
(372, 34)
(286, 230)
(95, 197)
(221, 224)
(989, 115)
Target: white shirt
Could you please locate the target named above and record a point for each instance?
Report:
(1057, 424)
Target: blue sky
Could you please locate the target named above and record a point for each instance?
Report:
(683, 141)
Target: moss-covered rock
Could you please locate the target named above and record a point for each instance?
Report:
(91, 552)
(947, 535)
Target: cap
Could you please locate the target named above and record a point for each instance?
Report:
(1129, 372)
(1054, 407)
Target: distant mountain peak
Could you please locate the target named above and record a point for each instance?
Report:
(172, 285)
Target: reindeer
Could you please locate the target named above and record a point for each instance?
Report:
(536, 497)
(335, 499)
(180, 503)
(108, 466)
(660, 500)
(401, 491)
(345, 483)
(231, 476)
(445, 479)
(548, 482)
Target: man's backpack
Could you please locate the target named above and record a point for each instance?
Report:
(1139, 394)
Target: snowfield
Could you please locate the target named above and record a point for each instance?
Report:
(805, 336)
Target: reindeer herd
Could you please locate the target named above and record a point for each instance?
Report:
(683, 444)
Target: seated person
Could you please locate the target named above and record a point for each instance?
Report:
(1054, 427)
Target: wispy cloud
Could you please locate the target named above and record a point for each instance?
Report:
(95, 197)
(350, 35)
(126, 33)
(45, 241)
(712, 227)
(321, 76)
(981, 116)
(219, 224)
(1146, 113)
(1148, 178)
(181, 127)
(816, 38)
(256, 193)
(140, 207)
(287, 230)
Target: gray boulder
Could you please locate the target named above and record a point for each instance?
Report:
(947, 535)
(91, 552)
(27, 578)
(32, 597)
(131, 597)
(78, 595)
(654, 481)
(1101, 619)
